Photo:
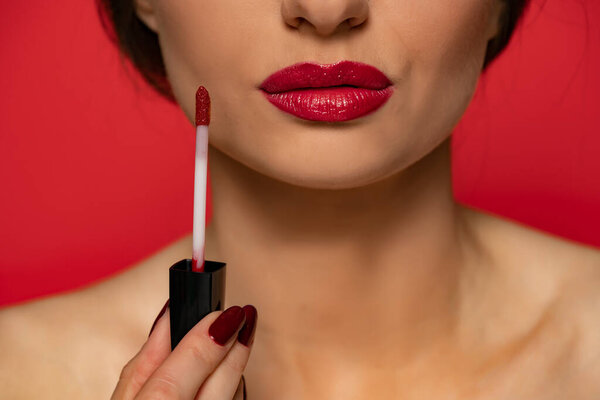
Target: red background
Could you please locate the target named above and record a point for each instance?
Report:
(96, 170)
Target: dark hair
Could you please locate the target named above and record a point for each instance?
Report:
(140, 44)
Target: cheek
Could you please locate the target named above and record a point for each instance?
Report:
(447, 47)
(443, 45)
(205, 42)
(439, 34)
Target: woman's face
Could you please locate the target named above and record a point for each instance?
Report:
(431, 50)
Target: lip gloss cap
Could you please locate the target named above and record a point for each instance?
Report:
(193, 295)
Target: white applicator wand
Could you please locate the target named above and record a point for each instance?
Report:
(200, 178)
(196, 286)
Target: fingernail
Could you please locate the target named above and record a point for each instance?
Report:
(160, 314)
(247, 331)
(223, 328)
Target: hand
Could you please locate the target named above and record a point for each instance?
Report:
(207, 364)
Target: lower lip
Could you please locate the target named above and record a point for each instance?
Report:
(331, 104)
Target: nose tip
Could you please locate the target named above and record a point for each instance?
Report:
(325, 16)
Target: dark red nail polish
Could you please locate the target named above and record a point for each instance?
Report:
(223, 328)
(160, 314)
(247, 331)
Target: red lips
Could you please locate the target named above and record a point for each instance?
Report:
(328, 92)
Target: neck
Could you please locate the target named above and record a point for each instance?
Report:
(347, 270)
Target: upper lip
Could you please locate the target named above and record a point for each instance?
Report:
(314, 75)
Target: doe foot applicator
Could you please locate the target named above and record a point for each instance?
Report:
(196, 286)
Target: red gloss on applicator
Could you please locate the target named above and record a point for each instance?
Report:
(200, 178)
(202, 106)
(196, 285)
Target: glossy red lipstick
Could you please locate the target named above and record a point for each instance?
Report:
(328, 92)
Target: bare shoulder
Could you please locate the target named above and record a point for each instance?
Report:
(537, 253)
(32, 346)
(74, 345)
(560, 275)
(536, 246)
(48, 346)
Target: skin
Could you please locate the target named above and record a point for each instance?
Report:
(369, 279)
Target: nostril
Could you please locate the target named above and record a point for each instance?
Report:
(298, 21)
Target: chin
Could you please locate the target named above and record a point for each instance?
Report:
(339, 172)
(323, 156)
(328, 181)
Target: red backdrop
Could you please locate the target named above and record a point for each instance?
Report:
(96, 170)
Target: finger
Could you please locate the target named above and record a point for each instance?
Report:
(223, 382)
(196, 356)
(137, 371)
(240, 393)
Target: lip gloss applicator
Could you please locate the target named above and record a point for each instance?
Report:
(200, 177)
(196, 286)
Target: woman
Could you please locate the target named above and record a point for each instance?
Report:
(338, 225)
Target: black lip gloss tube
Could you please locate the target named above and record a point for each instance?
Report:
(193, 295)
